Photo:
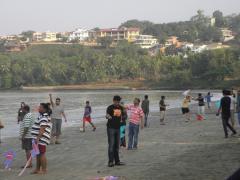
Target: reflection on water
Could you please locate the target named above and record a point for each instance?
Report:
(74, 102)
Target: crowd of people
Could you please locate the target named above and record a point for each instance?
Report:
(46, 129)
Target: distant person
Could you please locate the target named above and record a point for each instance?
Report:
(238, 106)
(87, 116)
(208, 98)
(57, 113)
(225, 109)
(201, 106)
(114, 116)
(233, 108)
(135, 122)
(185, 107)
(25, 133)
(123, 127)
(21, 114)
(41, 133)
(145, 108)
(162, 106)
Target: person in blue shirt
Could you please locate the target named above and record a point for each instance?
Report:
(208, 98)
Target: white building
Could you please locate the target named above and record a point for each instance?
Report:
(227, 35)
(45, 36)
(146, 41)
(79, 34)
(199, 49)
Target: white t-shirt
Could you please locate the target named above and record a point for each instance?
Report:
(233, 103)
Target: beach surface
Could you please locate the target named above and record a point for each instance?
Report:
(176, 151)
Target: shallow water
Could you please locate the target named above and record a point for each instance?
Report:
(74, 102)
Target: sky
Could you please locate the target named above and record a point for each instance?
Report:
(66, 15)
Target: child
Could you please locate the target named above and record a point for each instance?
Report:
(123, 127)
(162, 106)
(87, 116)
(201, 106)
(208, 98)
(185, 107)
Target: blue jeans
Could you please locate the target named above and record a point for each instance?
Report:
(133, 135)
(239, 118)
(113, 144)
(145, 119)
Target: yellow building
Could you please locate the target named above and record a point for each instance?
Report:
(131, 34)
(49, 36)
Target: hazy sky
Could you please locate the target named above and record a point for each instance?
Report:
(66, 15)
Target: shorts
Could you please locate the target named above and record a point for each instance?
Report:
(185, 110)
(162, 115)
(27, 144)
(87, 119)
(56, 127)
(42, 148)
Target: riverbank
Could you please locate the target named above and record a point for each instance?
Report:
(176, 151)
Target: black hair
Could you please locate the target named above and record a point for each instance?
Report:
(117, 98)
(27, 108)
(146, 96)
(208, 93)
(58, 99)
(163, 97)
(226, 92)
(45, 106)
(199, 94)
(87, 102)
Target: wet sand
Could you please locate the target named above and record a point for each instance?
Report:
(176, 151)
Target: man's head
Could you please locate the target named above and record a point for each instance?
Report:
(43, 108)
(209, 93)
(116, 100)
(58, 100)
(136, 101)
(26, 109)
(87, 102)
(162, 97)
(199, 94)
(226, 92)
(146, 96)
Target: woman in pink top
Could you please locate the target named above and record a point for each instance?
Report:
(135, 120)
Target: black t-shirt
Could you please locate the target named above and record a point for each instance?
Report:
(116, 113)
(162, 105)
(201, 101)
(225, 105)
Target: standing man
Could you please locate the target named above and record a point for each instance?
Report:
(225, 110)
(185, 107)
(145, 108)
(201, 106)
(21, 114)
(238, 106)
(135, 120)
(114, 116)
(25, 133)
(162, 106)
(208, 98)
(57, 113)
(41, 133)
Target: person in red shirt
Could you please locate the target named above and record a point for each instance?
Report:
(135, 121)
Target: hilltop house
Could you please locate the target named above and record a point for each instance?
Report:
(227, 35)
(146, 41)
(79, 34)
(45, 36)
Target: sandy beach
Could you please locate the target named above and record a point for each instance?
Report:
(177, 151)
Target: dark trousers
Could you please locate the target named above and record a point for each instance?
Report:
(235, 176)
(113, 144)
(225, 122)
(133, 135)
(145, 119)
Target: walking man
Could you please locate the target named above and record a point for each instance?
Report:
(135, 121)
(201, 106)
(145, 108)
(57, 114)
(225, 106)
(162, 106)
(114, 116)
(87, 116)
(25, 133)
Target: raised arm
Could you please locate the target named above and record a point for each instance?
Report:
(51, 100)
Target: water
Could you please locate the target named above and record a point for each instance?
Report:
(74, 102)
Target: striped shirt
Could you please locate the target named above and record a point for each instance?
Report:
(136, 114)
(27, 122)
(42, 120)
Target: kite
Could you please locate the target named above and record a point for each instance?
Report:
(9, 157)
